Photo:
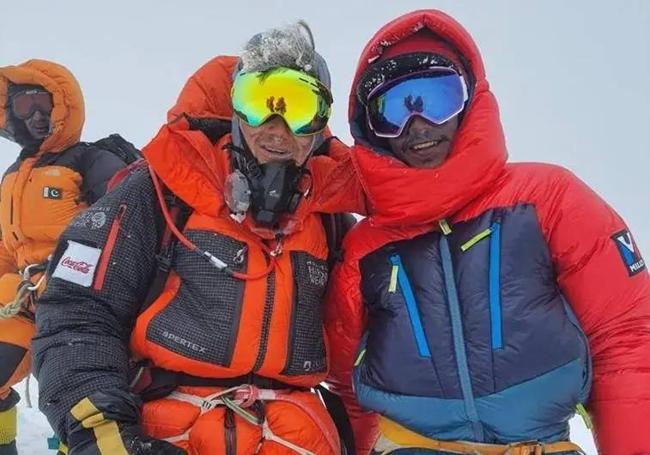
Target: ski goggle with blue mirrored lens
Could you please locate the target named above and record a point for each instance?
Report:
(301, 100)
(437, 94)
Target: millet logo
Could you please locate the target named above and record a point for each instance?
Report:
(629, 252)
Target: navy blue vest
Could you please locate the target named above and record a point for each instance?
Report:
(469, 336)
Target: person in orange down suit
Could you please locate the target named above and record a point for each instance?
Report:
(202, 294)
(54, 179)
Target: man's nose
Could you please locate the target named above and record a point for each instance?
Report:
(38, 115)
(276, 125)
(420, 125)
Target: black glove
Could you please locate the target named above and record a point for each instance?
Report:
(106, 423)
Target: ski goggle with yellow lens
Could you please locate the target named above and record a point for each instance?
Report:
(301, 100)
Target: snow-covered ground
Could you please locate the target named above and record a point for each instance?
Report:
(33, 429)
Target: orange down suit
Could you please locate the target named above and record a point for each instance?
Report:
(41, 193)
(205, 324)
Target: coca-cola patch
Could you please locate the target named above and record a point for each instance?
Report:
(78, 264)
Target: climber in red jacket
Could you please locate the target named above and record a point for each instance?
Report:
(481, 303)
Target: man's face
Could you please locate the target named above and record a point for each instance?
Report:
(274, 141)
(423, 144)
(34, 107)
(38, 125)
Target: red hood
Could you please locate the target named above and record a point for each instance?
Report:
(400, 195)
(195, 169)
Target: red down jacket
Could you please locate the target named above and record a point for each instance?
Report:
(593, 261)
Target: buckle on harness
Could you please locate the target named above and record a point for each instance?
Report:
(164, 260)
(24, 303)
(525, 448)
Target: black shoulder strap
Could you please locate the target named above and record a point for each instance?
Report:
(336, 226)
(336, 410)
(180, 213)
(214, 129)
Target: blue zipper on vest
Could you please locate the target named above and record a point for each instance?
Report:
(459, 340)
(495, 286)
(412, 307)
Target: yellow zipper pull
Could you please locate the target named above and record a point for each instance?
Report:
(585, 416)
(392, 286)
(359, 358)
(474, 240)
(444, 227)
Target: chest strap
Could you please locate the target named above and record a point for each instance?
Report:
(152, 383)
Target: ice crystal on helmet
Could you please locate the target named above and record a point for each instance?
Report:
(291, 46)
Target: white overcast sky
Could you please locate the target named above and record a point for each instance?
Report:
(571, 77)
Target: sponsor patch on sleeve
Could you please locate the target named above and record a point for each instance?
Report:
(629, 252)
(78, 264)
